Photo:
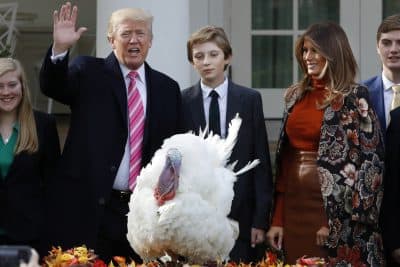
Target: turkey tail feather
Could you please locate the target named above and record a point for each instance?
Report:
(231, 139)
(203, 133)
(232, 165)
(248, 167)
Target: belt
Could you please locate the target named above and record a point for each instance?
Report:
(121, 195)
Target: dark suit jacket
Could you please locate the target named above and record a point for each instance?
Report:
(95, 91)
(390, 213)
(252, 200)
(22, 191)
(375, 88)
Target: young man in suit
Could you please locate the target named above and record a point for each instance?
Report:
(209, 52)
(382, 96)
(388, 48)
(121, 111)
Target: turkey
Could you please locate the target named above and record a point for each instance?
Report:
(183, 196)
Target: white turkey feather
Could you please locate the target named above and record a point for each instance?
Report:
(191, 221)
(248, 167)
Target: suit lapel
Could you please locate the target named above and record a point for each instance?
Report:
(197, 107)
(151, 91)
(394, 115)
(15, 162)
(233, 103)
(377, 99)
(118, 87)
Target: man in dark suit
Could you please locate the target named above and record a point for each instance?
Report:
(391, 198)
(209, 52)
(382, 96)
(95, 171)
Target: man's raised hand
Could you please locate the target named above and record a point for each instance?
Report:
(65, 34)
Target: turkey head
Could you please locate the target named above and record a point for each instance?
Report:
(169, 178)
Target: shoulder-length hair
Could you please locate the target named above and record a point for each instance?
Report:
(27, 138)
(329, 40)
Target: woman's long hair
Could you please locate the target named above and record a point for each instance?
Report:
(330, 40)
(27, 138)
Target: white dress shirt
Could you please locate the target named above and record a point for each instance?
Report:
(387, 97)
(222, 91)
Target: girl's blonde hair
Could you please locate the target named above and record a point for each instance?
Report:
(27, 138)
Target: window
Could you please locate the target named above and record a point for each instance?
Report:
(276, 25)
(390, 7)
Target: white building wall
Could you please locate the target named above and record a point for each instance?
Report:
(370, 18)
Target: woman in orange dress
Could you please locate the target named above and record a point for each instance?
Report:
(330, 159)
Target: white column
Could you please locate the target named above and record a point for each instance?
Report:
(171, 29)
(360, 19)
(207, 12)
(371, 17)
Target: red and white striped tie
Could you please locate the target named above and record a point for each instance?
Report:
(136, 128)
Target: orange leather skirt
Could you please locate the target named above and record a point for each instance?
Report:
(303, 211)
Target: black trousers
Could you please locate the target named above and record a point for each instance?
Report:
(111, 239)
(243, 252)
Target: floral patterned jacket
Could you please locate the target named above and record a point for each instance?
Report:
(350, 160)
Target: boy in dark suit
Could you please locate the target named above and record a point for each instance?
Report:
(214, 101)
(121, 111)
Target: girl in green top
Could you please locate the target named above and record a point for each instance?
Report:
(29, 149)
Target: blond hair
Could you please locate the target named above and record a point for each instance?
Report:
(133, 14)
(27, 139)
(329, 40)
